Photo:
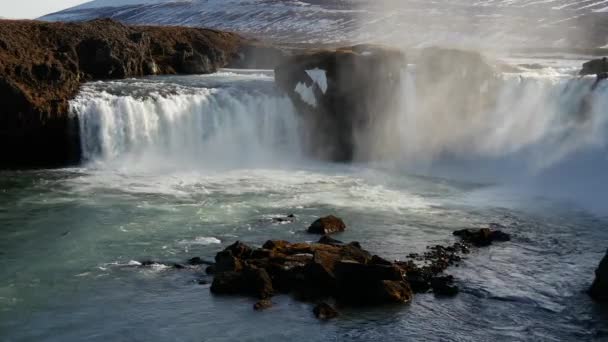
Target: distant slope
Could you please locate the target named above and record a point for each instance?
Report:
(519, 23)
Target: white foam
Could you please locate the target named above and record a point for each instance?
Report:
(201, 240)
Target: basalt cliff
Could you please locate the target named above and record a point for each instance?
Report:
(43, 64)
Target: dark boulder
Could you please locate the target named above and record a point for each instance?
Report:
(324, 311)
(599, 288)
(327, 240)
(595, 67)
(251, 281)
(327, 225)
(482, 237)
(262, 305)
(444, 286)
(211, 269)
(225, 261)
(240, 250)
(196, 261)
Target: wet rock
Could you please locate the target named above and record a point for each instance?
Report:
(240, 250)
(229, 282)
(291, 218)
(225, 261)
(324, 311)
(599, 288)
(421, 269)
(198, 261)
(482, 237)
(262, 305)
(327, 240)
(595, 66)
(444, 286)
(348, 270)
(251, 281)
(327, 225)
(210, 270)
(345, 273)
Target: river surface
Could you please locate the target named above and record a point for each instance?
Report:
(183, 166)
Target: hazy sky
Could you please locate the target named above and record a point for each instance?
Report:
(34, 8)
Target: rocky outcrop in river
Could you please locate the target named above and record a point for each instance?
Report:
(342, 272)
(43, 64)
(341, 93)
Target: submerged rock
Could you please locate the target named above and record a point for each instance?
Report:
(327, 225)
(444, 286)
(482, 237)
(196, 261)
(599, 288)
(291, 218)
(262, 305)
(327, 240)
(324, 311)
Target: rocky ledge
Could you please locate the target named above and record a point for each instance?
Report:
(43, 64)
(345, 273)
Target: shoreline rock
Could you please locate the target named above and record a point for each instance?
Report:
(599, 288)
(327, 225)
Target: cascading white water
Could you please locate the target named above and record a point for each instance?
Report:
(540, 118)
(206, 127)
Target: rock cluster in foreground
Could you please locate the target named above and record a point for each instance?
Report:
(343, 272)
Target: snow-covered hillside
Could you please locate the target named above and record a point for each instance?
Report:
(529, 23)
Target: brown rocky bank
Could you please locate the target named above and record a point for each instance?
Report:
(43, 64)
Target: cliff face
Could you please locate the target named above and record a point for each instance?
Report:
(343, 93)
(43, 64)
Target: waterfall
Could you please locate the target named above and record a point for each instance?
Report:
(536, 119)
(199, 126)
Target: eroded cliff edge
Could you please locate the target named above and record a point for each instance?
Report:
(43, 64)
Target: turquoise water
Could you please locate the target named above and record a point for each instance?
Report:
(68, 237)
(178, 167)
